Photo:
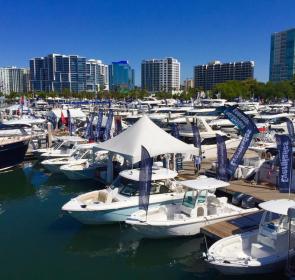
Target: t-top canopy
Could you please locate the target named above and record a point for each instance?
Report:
(158, 173)
(279, 206)
(204, 184)
(145, 133)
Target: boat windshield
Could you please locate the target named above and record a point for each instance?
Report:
(192, 197)
(129, 187)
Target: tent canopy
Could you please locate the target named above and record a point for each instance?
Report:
(75, 113)
(145, 133)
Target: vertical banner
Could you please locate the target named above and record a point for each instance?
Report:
(175, 130)
(70, 127)
(98, 125)
(240, 119)
(240, 152)
(285, 163)
(197, 137)
(107, 130)
(221, 159)
(145, 177)
(290, 127)
(89, 128)
(118, 125)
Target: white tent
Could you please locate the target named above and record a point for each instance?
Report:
(75, 113)
(145, 133)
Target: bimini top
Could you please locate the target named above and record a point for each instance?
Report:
(204, 184)
(158, 173)
(279, 206)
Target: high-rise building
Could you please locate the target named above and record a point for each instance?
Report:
(97, 76)
(57, 72)
(282, 55)
(121, 76)
(188, 83)
(208, 75)
(160, 75)
(13, 79)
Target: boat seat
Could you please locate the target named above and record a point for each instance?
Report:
(104, 197)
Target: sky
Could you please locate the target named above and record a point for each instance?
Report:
(193, 31)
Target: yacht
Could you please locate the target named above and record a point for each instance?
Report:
(65, 147)
(259, 251)
(82, 153)
(93, 167)
(198, 208)
(118, 201)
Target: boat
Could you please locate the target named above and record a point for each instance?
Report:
(118, 201)
(13, 150)
(82, 153)
(260, 251)
(198, 208)
(93, 167)
(65, 147)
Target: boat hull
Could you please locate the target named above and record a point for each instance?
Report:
(12, 154)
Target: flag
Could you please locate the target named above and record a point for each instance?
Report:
(175, 130)
(98, 125)
(197, 137)
(221, 159)
(118, 125)
(145, 177)
(63, 119)
(70, 126)
(107, 130)
(240, 119)
(285, 163)
(89, 128)
(240, 151)
(290, 127)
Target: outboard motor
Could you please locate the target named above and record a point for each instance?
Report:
(237, 198)
(249, 202)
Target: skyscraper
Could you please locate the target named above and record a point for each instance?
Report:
(160, 75)
(97, 76)
(208, 75)
(282, 55)
(13, 79)
(121, 76)
(57, 72)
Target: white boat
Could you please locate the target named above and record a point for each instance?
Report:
(259, 251)
(82, 153)
(92, 167)
(117, 202)
(65, 147)
(198, 208)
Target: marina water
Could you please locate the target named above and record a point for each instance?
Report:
(38, 241)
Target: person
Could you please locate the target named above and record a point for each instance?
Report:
(198, 161)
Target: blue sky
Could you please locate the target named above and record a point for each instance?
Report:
(193, 31)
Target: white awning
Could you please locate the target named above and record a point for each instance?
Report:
(145, 133)
(279, 206)
(204, 184)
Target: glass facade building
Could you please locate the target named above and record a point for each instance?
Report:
(121, 76)
(282, 56)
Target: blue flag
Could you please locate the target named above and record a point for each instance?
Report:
(107, 130)
(240, 119)
(70, 126)
(145, 177)
(89, 128)
(175, 130)
(197, 137)
(290, 127)
(221, 159)
(285, 167)
(98, 125)
(240, 151)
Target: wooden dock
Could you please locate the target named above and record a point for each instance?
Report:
(234, 226)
